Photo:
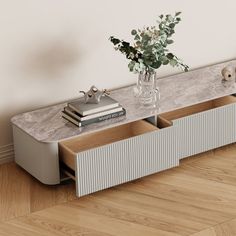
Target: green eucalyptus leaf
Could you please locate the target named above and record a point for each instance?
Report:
(133, 32)
(170, 56)
(178, 13)
(161, 26)
(131, 65)
(172, 25)
(165, 62)
(173, 62)
(156, 64)
(163, 58)
(186, 69)
(115, 41)
(170, 18)
(137, 37)
(125, 44)
(170, 41)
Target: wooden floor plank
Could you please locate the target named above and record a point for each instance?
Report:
(21, 194)
(194, 158)
(7, 229)
(102, 223)
(225, 229)
(44, 196)
(186, 196)
(143, 210)
(217, 169)
(208, 232)
(226, 151)
(195, 184)
(14, 192)
(51, 226)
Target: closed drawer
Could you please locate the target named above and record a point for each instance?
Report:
(205, 126)
(120, 154)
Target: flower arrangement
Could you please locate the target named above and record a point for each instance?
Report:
(150, 48)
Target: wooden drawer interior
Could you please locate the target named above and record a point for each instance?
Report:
(187, 111)
(70, 148)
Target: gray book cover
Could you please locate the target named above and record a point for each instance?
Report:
(85, 109)
(93, 120)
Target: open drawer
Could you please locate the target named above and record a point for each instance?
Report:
(116, 155)
(204, 126)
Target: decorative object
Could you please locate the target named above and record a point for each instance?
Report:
(149, 52)
(147, 90)
(228, 73)
(94, 95)
(81, 114)
(86, 109)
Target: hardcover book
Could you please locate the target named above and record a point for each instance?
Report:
(93, 120)
(85, 109)
(78, 117)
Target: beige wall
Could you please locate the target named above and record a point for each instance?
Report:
(49, 50)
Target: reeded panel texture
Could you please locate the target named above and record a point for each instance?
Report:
(207, 130)
(126, 160)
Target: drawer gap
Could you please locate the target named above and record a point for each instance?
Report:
(163, 123)
(67, 170)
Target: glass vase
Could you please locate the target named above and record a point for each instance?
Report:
(147, 90)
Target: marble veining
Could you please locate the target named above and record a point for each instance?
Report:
(177, 91)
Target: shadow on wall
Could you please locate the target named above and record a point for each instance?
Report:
(49, 60)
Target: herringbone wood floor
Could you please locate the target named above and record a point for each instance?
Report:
(198, 198)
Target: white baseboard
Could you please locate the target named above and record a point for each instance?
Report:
(6, 153)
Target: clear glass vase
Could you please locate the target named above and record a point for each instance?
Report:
(147, 90)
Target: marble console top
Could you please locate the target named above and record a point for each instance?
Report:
(177, 91)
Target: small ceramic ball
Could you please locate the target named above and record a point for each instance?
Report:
(228, 73)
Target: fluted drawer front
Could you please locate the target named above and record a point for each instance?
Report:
(206, 130)
(126, 160)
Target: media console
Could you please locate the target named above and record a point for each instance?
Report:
(197, 113)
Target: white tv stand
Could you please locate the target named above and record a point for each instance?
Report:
(197, 113)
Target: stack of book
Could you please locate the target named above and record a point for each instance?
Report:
(80, 113)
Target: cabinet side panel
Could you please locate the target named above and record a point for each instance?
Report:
(39, 159)
(207, 130)
(126, 160)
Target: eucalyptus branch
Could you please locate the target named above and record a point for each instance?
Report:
(149, 50)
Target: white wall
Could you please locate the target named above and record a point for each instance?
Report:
(49, 50)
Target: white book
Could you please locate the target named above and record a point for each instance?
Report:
(86, 109)
(77, 116)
